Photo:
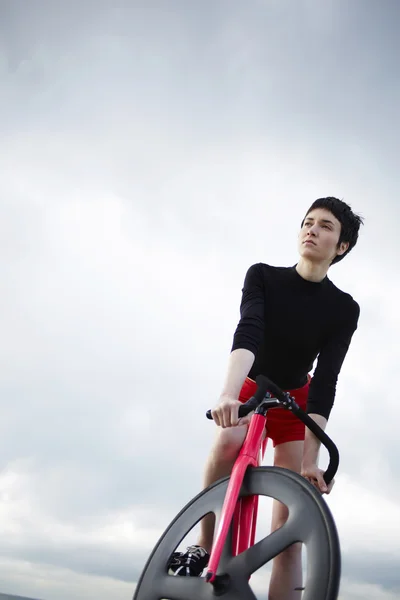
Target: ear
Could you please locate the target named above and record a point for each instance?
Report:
(344, 246)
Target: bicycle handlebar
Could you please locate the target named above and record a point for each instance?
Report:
(265, 385)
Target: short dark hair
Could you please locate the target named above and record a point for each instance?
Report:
(349, 221)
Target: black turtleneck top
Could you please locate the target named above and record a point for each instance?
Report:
(287, 322)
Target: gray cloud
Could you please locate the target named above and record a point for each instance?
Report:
(153, 153)
(378, 568)
(13, 597)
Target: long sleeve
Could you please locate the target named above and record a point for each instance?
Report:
(330, 360)
(250, 329)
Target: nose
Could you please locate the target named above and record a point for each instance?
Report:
(312, 230)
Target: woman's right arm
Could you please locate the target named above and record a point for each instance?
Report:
(225, 414)
(246, 340)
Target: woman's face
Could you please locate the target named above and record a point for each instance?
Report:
(319, 237)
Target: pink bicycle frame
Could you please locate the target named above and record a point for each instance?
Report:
(243, 511)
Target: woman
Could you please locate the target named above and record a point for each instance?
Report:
(289, 316)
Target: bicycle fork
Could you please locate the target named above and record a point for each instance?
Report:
(242, 511)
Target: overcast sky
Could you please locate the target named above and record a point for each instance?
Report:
(150, 153)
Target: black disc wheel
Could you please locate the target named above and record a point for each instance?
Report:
(310, 522)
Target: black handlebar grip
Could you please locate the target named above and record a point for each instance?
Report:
(244, 409)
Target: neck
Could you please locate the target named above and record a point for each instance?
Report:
(311, 271)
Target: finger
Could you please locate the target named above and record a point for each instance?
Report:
(215, 416)
(225, 418)
(322, 483)
(315, 483)
(330, 486)
(234, 415)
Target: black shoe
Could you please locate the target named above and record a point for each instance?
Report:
(190, 563)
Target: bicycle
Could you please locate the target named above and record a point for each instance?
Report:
(234, 500)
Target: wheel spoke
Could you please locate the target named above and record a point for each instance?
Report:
(181, 588)
(263, 551)
(243, 590)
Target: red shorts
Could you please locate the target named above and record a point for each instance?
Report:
(281, 425)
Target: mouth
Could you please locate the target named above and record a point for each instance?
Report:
(306, 242)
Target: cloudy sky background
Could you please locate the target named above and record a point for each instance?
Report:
(150, 153)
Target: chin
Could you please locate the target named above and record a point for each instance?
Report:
(306, 252)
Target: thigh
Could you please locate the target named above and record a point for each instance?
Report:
(228, 441)
(289, 456)
(282, 425)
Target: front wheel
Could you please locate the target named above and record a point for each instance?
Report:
(310, 522)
